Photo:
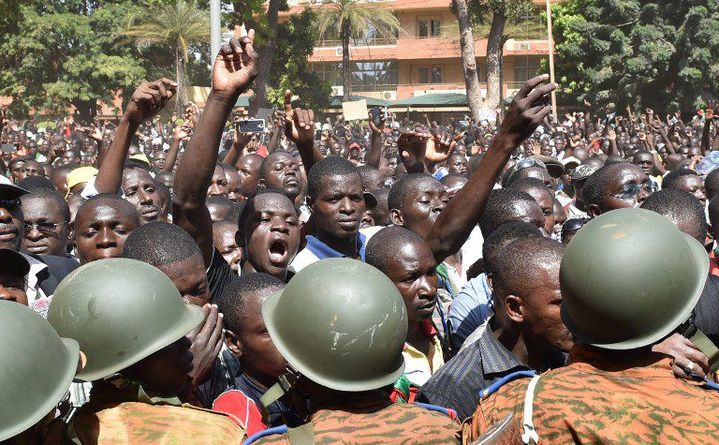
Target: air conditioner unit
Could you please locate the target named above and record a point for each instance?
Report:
(389, 95)
(338, 51)
(338, 91)
(525, 46)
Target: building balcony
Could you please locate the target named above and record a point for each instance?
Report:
(416, 48)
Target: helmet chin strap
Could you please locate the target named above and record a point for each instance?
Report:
(701, 341)
(284, 384)
(121, 382)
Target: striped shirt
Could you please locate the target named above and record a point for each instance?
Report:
(458, 383)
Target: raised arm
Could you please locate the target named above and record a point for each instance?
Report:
(376, 142)
(300, 129)
(234, 70)
(528, 109)
(147, 100)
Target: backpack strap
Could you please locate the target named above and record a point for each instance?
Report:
(529, 435)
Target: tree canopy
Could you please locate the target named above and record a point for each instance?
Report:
(618, 53)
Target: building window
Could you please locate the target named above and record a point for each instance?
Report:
(379, 75)
(430, 74)
(429, 27)
(525, 68)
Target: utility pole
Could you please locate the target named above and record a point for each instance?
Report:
(551, 57)
(215, 33)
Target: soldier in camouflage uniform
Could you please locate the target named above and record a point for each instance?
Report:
(344, 354)
(130, 321)
(629, 280)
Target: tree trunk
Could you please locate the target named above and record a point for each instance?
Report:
(495, 47)
(181, 72)
(264, 70)
(346, 71)
(469, 59)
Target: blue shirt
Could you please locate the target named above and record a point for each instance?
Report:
(471, 307)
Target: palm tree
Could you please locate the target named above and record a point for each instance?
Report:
(175, 24)
(348, 18)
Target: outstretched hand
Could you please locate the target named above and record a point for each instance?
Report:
(528, 109)
(236, 65)
(299, 123)
(148, 99)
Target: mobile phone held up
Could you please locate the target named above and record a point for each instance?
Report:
(251, 126)
(376, 115)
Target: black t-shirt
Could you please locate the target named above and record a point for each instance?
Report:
(219, 275)
(706, 312)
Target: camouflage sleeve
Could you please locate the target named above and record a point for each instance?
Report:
(508, 400)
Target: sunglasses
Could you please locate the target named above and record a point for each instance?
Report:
(631, 191)
(529, 163)
(42, 227)
(10, 204)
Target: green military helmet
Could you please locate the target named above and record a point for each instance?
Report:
(120, 311)
(36, 370)
(341, 323)
(629, 278)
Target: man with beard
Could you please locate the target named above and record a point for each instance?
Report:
(46, 222)
(46, 271)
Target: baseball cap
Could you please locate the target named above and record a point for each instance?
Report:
(583, 172)
(14, 262)
(11, 191)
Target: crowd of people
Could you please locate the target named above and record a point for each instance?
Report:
(538, 278)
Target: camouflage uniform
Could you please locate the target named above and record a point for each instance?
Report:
(112, 417)
(372, 419)
(597, 400)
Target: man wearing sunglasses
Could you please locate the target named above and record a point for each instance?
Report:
(46, 271)
(615, 186)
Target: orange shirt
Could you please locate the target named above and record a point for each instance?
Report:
(596, 400)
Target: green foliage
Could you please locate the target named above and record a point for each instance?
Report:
(359, 17)
(517, 11)
(295, 42)
(617, 53)
(65, 52)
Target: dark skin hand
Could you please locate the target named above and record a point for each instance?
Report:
(178, 136)
(147, 100)
(528, 109)
(375, 151)
(683, 352)
(206, 343)
(300, 129)
(234, 70)
(420, 152)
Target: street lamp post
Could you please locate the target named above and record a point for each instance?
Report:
(551, 57)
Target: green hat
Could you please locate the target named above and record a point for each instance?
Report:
(629, 278)
(36, 371)
(341, 323)
(120, 311)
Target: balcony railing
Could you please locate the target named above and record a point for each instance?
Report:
(373, 41)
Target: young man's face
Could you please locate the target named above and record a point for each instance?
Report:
(223, 238)
(101, 228)
(218, 185)
(340, 205)
(271, 234)
(692, 184)
(282, 173)
(457, 165)
(45, 228)
(166, 372)
(140, 191)
(12, 288)
(11, 223)
(32, 168)
(190, 278)
(248, 168)
(542, 319)
(234, 186)
(546, 202)
(260, 358)
(422, 206)
(627, 188)
(17, 171)
(412, 270)
(644, 161)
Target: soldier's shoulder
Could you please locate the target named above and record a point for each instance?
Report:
(271, 436)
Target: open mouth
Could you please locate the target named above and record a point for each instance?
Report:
(278, 252)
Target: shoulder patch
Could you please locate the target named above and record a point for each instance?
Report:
(278, 430)
(491, 389)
